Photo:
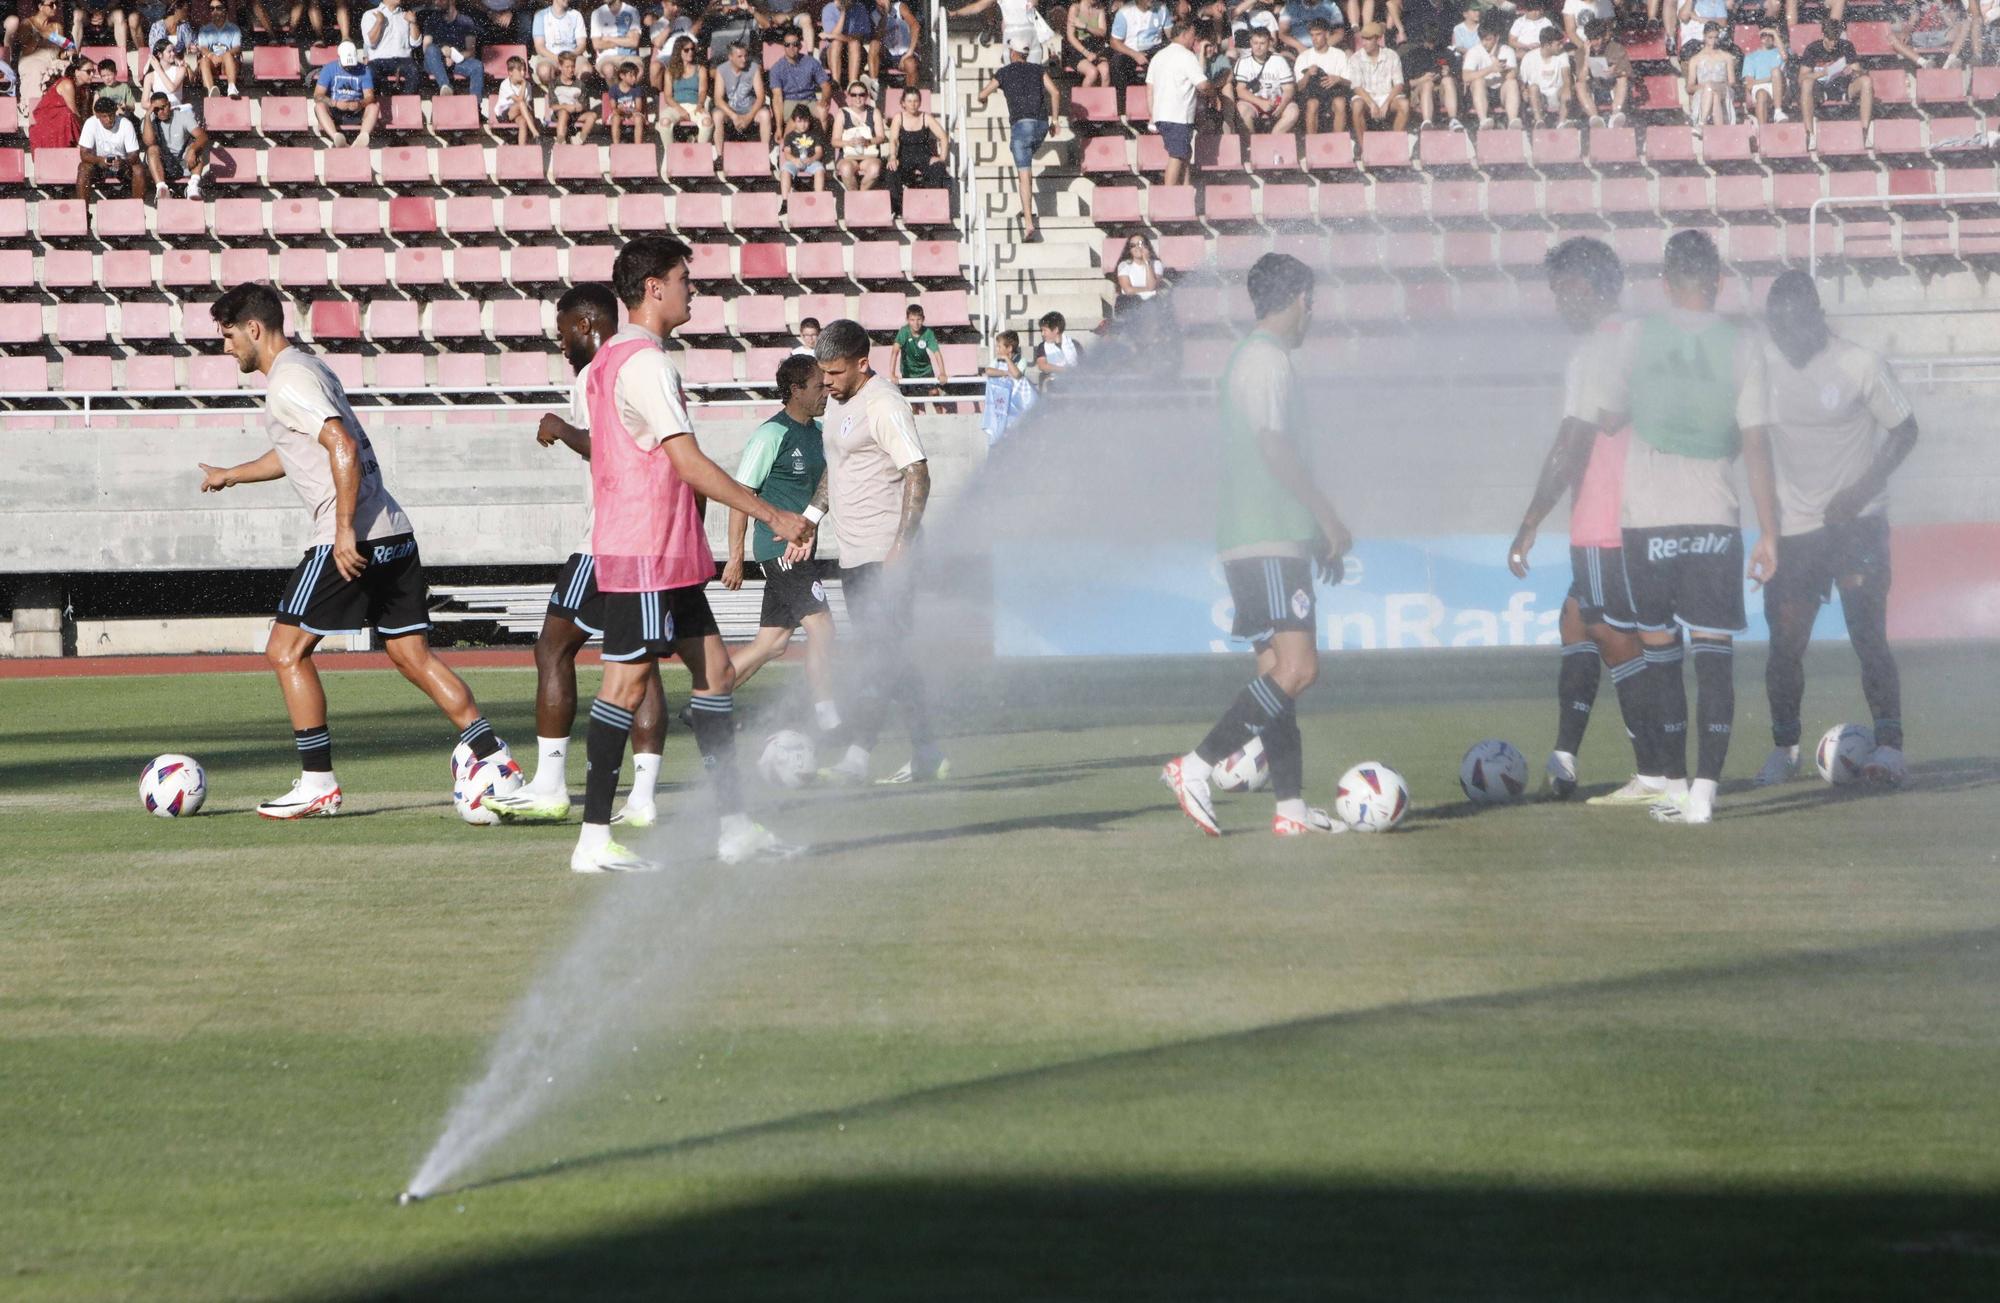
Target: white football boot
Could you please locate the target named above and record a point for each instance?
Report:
(1193, 795)
(636, 814)
(314, 800)
(1641, 790)
(610, 858)
(530, 806)
(1561, 775)
(743, 840)
(1695, 805)
(1316, 821)
(1885, 766)
(1781, 766)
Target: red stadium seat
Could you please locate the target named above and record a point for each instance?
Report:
(454, 113)
(13, 165)
(1940, 86)
(356, 219)
(240, 267)
(69, 269)
(761, 314)
(347, 167)
(926, 208)
(406, 165)
(10, 117)
(335, 319)
(526, 215)
(763, 262)
(406, 113)
(1681, 195)
(276, 65)
(1892, 87)
(462, 165)
(1613, 146)
(1727, 143)
(303, 269)
(457, 319)
(591, 263)
(746, 160)
(224, 116)
(361, 269)
(584, 215)
(62, 219)
(811, 211)
(412, 215)
(81, 324)
(1558, 146)
(1093, 104)
(496, 56)
(477, 267)
(866, 210)
(1870, 40)
(1782, 140)
(1212, 153)
(640, 213)
(1895, 137)
(518, 319)
(394, 319)
(820, 261)
(1834, 139)
(1952, 133)
(574, 163)
(187, 269)
(462, 372)
(419, 267)
(1138, 103)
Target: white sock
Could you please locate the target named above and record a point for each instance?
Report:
(593, 837)
(1658, 782)
(856, 758)
(551, 765)
(1193, 766)
(828, 716)
(645, 773)
(1674, 786)
(1294, 809)
(318, 781)
(1701, 793)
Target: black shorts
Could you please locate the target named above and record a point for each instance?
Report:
(1272, 594)
(575, 597)
(347, 119)
(388, 596)
(791, 593)
(1597, 583)
(880, 610)
(645, 626)
(1686, 576)
(1810, 565)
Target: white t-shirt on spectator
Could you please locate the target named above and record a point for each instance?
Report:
(1271, 78)
(118, 141)
(1144, 31)
(608, 26)
(510, 95)
(1172, 75)
(1477, 59)
(1528, 31)
(1333, 62)
(1545, 71)
(1602, 10)
(1255, 19)
(1143, 277)
(562, 33)
(395, 41)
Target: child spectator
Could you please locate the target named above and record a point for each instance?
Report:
(516, 103)
(1009, 391)
(570, 116)
(167, 73)
(616, 33)
(1055, 351)
(808, 337)
(1465, 36)
(110, 88)
(801, 156)
(628, 105)
(1139, 273)
(917, 355)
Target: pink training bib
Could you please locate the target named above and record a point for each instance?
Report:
(1593, 516)
(647, 535)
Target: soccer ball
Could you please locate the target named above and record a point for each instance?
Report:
(1493, 772)
(1371, 798)
(1249, 770)
(787, 760)
(497, 775)
(172, 786)
(462, 759)
(1842, 753)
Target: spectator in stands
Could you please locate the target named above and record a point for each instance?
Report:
(220, 43)
(558, 30)
(1138, 30)
(683, 86)
(389, 42)
(917, 355)
(1525, 36)
(1465, 36)
(1378, 99)
(725, 23)
(54, 122)
(1428, 66)
(1323, 80)
(798, 81)
(451, 50)
(1830, 74)
(918, 147)
(505, 21)
(100, 22)
(1930, 33)
(863, 138)
(174, 27)
(107, 153)
(665, 20)
(570, 116)
(1764, 78)
(1017, 21)
(1175, 79)
(801, 154)
(777, 17)
(1295, 23)
(851, 35)
(110, 88)
(1250, 16)
(900, 41)
(1031, 99)
(808, 337)
(1985, 24)
(516, 102)
(167, 73)
(1491, 68)
(344, 97)
(739, 98)
(1055, 351)
(1575, 13)
(618, 36)
(1087, 43)
(1265, 88)
(32, 39)
(1711, 81)
(628, 106)
(1606, 73)
(1549, 81)
(1010, 392)
(1139, 275)
(176, 146)
(1215, 98)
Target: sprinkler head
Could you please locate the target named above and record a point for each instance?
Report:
(406, 1198)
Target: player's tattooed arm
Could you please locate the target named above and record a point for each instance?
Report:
(1568, 455)
(554, 429)
(1847, 504)
(343, 455)
(214, 479)
(916, 496)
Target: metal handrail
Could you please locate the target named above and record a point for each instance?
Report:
(1875, 201)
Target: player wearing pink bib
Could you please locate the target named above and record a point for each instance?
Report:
(653, 558)
(1598, 625)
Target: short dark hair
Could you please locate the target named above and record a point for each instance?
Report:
(250, 301)
(808, 321)
(1053, 321)
(1275, 280)
(1794, 293)
(793, 373)
(1691, 258)
(1319, 25)
(1012, 337)
(914, 310)
(590, 300)
(1551, 33)
(106, 65)
(160, 97)
(104, 104)
(840, 341)
(1590, 260)
(646, 258)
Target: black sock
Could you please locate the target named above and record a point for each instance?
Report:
(1576, 692)
(315, 749)
(715, 737)
(1785, 686)
(1284, 751)
(1629, 681)
(1669, 708)
(604, 748)
(1715, 676)
(479, 735)
(1254, 709)
(1868, 629)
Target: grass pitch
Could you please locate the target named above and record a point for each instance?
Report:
(1027, 1037)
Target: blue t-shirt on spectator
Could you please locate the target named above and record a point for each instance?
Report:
(346, 85)
(1142, 29)
(182, 37)
(796, 81)
(460, 33)
(217, 39)
(1760, 63)
(1302, 12)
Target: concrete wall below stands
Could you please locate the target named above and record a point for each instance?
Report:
(121, 494)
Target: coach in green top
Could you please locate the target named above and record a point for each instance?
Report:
(1275, 528)
(784, 463)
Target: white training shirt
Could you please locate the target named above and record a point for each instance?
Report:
(1827, 419)
(870, 439)
(303, 395)
(120, 141)
(652, 401)
(579, 416)
(1528, 31)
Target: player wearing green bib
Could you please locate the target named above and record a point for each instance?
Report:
(1692, 385)
(1273, 529)
(783, 464)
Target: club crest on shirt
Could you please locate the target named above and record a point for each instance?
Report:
(1301, 604)
(798, 462)
(819, 591)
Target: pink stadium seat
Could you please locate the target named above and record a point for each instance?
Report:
(1680, 195)
(284, 115)
(935, 260)
(1660, 93)
(235, 219)
(208, 372)
(690, 161)
(1913, 181)
(81, 324)
(946, 309)
(69, 269)
(533, 264)
(1834, 139)
(1727, 143)
(1942, 130)
(1343, 201)
(634, 163)
(1870, 39)
(1212, 153)
(412, 215)
(755, 212)
(406, 165)
(820, 261)
(1232, 252)
(745, 160)
(13, 219)
(335, 319)
(518, 319)
(1285, 203)
(709, 366)
(881, 311)
(763, 262)
(1744, 194)
(1557, 146)
(761, 364)
(347, 167)
(1271, 153)
(1501, 147)
(825, 307)
(145, 323)
(82, 375)
(356, 219)
(1115, 205)
(1898, 136)
(1892, 86)
(244, 266)
(293, 218)
(55, 169)
(1400, 198)
(1445, 149)
(476, 267)
(21, 326)
(462, 371)
(761, 314)
(640, 213)
(401, 370)
(1468, 250)
(361, 269)
(697, 212)
(347, 367)
(457, 319)
(1782, 140)
(13, 165)
(592, 262)
(1796, 191)
(866, 210)
(186, 269)
(526, 215)
(406, 113)
(1226, 203)
(1572, 196)
(150, 375)
(1612, 145)
(468, 216)
(120, 219)
(708, 317)
(462, 165)
(1106, 154)
(584, 215)
(454, 113)
(1940, 86)
(710, 262)
(1669, 144)
(811, 211)
(419, 267)
(276, 65)
(927, 207)
(394, 319)
(1169, 204)
(303, 269)
(877, 261)
(291, 165)
(1410, 251)
(1138, 103)
(1746, 243)
(224, 116)
(576, 163)
(10, 117)
(518, 164)
(1626, 195)
(1088, 104)
(62, 219)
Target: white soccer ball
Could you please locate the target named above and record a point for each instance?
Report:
(497, 775)
(1493, 772)
(172, 786)
(1371, 797)
(1843, 752)
(787, 760)
(1249, 770)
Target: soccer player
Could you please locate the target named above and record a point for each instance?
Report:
(1275, 530)
(586, 319)
(362, 570)
(1840, 425)
(1596, 622)
(783, 464)
(1691, 385)
(649, 478)
(877, 484)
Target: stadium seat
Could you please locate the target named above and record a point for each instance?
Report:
(284, 115)
(760, 314)
(526, 215)
(1782, 140)
(690, 161)
(1572, 197)
(928, 207)
(935, 260)
(1115, 205)
(296, 218)
(84, 375)
(345, 168)
(1870, 39)
(1501, 147)
(406, 165)
(462, 371)
(518, 165)
(1447, 148)
(276, 65)
(584, 215)
(866, 210)
(406, 113)
(303, 269)
(235, 219)
(22, 325)
(946, 309)
(291, 165)
(477, 267)
(335, 319)
(244, 266)
(573, 163)
(419, 267)
(1682, 195)
(186, 269)
(454, 113)
(708, 366)
(1898, 137)
(55, 169)
(1400, 199)
(1834, 138)
(1668, 144)
(394, 319)
(145, 323)
(457, 319)
(1213, 153)
(811, 211)
(400, 370)
(207, 372)
(62, 219)
(761, 364)
(69, 269)
(1090, 105)
(591, 263)
(699, 212)
(468, 216)
(155, 375)
(10, 117)
(1625, 196)
(356, 219)
(1342, 201)
(13, 219)
(877, 261)
(641, 213)
(1892, 90)
(763, 262)
(1556, 147)
(881, 311)
(1743, 193)
(1169, 204)
(1106, 155)
(755, 212)
(496, 57)
(462, 165)
(707, 318)
(710, 262)
(13, 166)
(1467, 250)
(518, 319)
(1226, 203)
(1948, 135)
(120, 219)
(745, 160)
(534, 264)
(1285, 203)
(635, 163)
(821, 260)
(825, 307)
(1274, 153)
(224, 116)
(1232, 253)
(1138, 103)
(361, 269)
(412, 215)
(80, 325)
(346, 367)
